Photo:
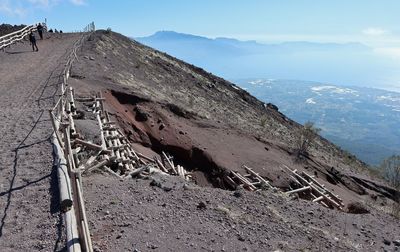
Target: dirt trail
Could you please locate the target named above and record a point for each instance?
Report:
(29, 218)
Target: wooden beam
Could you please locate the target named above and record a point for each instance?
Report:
(62, 177)
(87, 238)
(135, 172)
(318, 199)
(245, 181)
(158, 162)
(103, 140)
(249, 170)
(66, 197)
(145, 157)
(92, 146)
(98, 165)
(230, 181)
(169, 162)
(111, 172)
(306, 188)
(56, 129)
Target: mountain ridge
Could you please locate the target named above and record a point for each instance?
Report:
(350, 63)
(179, 35)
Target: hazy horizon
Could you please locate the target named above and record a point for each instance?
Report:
(372, 23)
(345, 64)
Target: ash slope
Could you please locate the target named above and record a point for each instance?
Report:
(210, 126)
(208, 118)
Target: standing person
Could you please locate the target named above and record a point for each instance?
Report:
(40, 30)
(32, 39)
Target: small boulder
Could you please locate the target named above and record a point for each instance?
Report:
(238, 193)
(357, 208)
(272, 106)
(141, 114)
(155, 182)
(387, 242)
(202, 205)
(241, 238)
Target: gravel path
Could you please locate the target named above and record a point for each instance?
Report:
(29, 217)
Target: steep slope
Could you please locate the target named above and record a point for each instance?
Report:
(142, 76)
(211, 127)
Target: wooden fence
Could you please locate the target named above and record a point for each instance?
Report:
(14, 37)
(69, 178)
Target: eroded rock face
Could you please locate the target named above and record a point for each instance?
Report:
(140, 114)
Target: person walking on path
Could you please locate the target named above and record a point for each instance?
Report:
(32, 39)
(40, 30)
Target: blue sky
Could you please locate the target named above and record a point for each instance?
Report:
(371, 22)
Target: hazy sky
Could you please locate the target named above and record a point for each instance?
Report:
(373, 22)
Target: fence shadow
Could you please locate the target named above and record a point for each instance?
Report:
(11, 189)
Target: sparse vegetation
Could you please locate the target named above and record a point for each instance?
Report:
(306, 135)
(390, 168)
(191, 102)
(396, 210)
(108, 31)
(263, 122)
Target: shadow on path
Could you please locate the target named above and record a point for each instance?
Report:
(11, 188)
(20, 52)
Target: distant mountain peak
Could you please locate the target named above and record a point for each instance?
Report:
(173, 35)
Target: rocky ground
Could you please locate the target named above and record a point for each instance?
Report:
(167, 214)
